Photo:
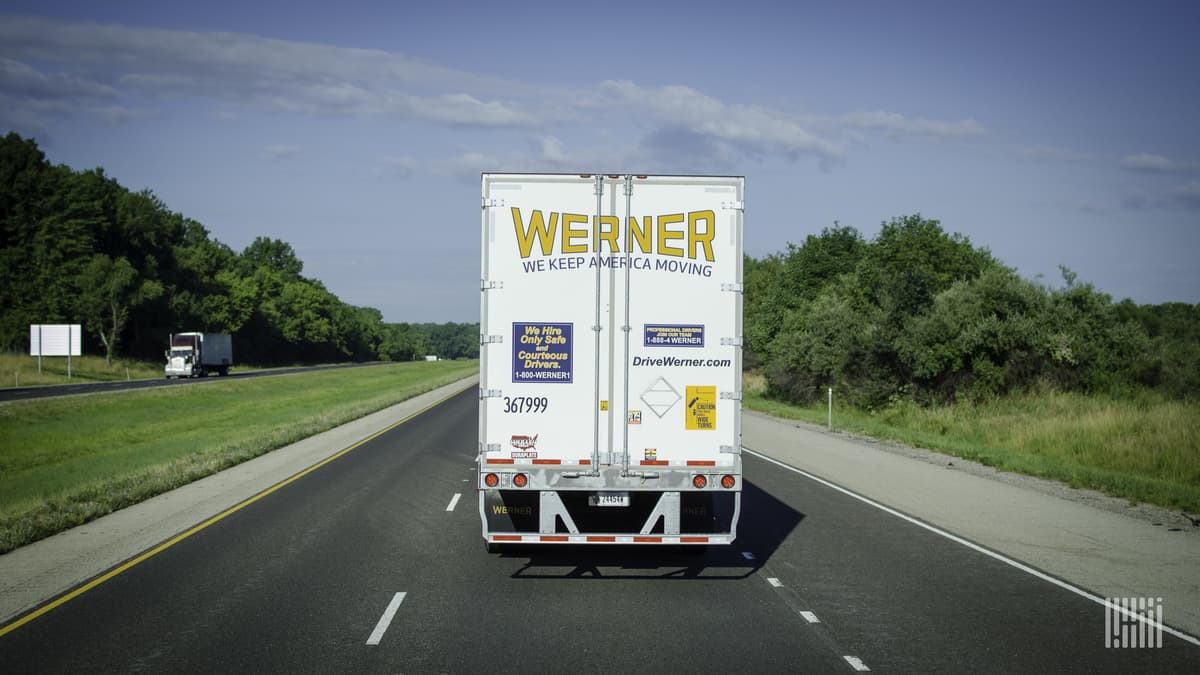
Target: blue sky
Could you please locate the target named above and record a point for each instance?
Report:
(1051, 133)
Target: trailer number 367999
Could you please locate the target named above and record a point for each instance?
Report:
(526, 404)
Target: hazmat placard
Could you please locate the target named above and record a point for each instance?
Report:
(701, 408)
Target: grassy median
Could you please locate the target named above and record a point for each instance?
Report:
(66, 461)
(1144, 449)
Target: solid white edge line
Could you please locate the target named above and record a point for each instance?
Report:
(973, 546)
(386, 619)
(775, 582)
(810, 617)
(857, 664)
(453, 501)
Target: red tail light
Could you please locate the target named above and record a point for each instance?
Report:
(491, 480)
(520, 480)
(699, 481)
(728, 482)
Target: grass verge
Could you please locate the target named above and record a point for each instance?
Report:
(19, 370)
(66, 461)
(1146, 449)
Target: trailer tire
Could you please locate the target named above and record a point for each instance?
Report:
(492, 547)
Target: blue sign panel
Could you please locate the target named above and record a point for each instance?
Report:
(673, 335)
(542, 353)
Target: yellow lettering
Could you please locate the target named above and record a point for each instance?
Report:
(606, 231)
(570, 234)
(537, 230)
(696, 237)
(641, 234)
(665, 235)
(573, 235)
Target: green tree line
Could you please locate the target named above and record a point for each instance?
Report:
(77, 247)
(917, 313)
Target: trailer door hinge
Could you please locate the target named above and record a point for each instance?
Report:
(485, 285)
(490, 339)
(736, 288)
(494, 447)
(731, 450)
(731, 341)
(490, 393)
(734, 205)
(489, 202)
(732, 395)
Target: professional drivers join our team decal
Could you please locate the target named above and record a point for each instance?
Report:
(673, 335)
(542, 353)
(526, 446)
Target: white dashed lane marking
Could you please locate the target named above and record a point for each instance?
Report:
(856, 663)
(386, 619)
(453, 501)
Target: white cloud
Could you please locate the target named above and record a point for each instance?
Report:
(118, 64)
(552, 150)
(397, 166)
(249, 70)
(897, 125)
(1151, 163)
(19, 79)
(281, 152)
(1051, 153)
(1186, 196)
(752, 129)
(470, 165)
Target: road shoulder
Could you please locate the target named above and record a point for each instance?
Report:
(43, 570)
(1081, 537)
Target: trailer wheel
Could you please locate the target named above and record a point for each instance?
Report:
(492, 547)
(224, 371)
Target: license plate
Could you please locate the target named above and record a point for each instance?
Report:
(608, 499)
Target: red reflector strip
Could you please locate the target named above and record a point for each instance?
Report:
(506, 537)
(547, 461)
(585, 461)
(693, 540)
(647, 540)
(555, 537)
(602, 539)
(500, 461)
(654, 462)
(701, 462)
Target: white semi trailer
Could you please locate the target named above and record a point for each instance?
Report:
(610, 359)
(198, 354)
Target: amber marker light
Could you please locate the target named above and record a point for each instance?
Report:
(491, 480)
(699, 481)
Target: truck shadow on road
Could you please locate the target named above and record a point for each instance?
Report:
(765, 523)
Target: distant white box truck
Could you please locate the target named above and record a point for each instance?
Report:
(610, 359)
(198, 354)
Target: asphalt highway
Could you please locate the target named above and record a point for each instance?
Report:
(374, 563)
(50, 391)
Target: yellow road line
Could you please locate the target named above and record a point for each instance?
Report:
(44, 609)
